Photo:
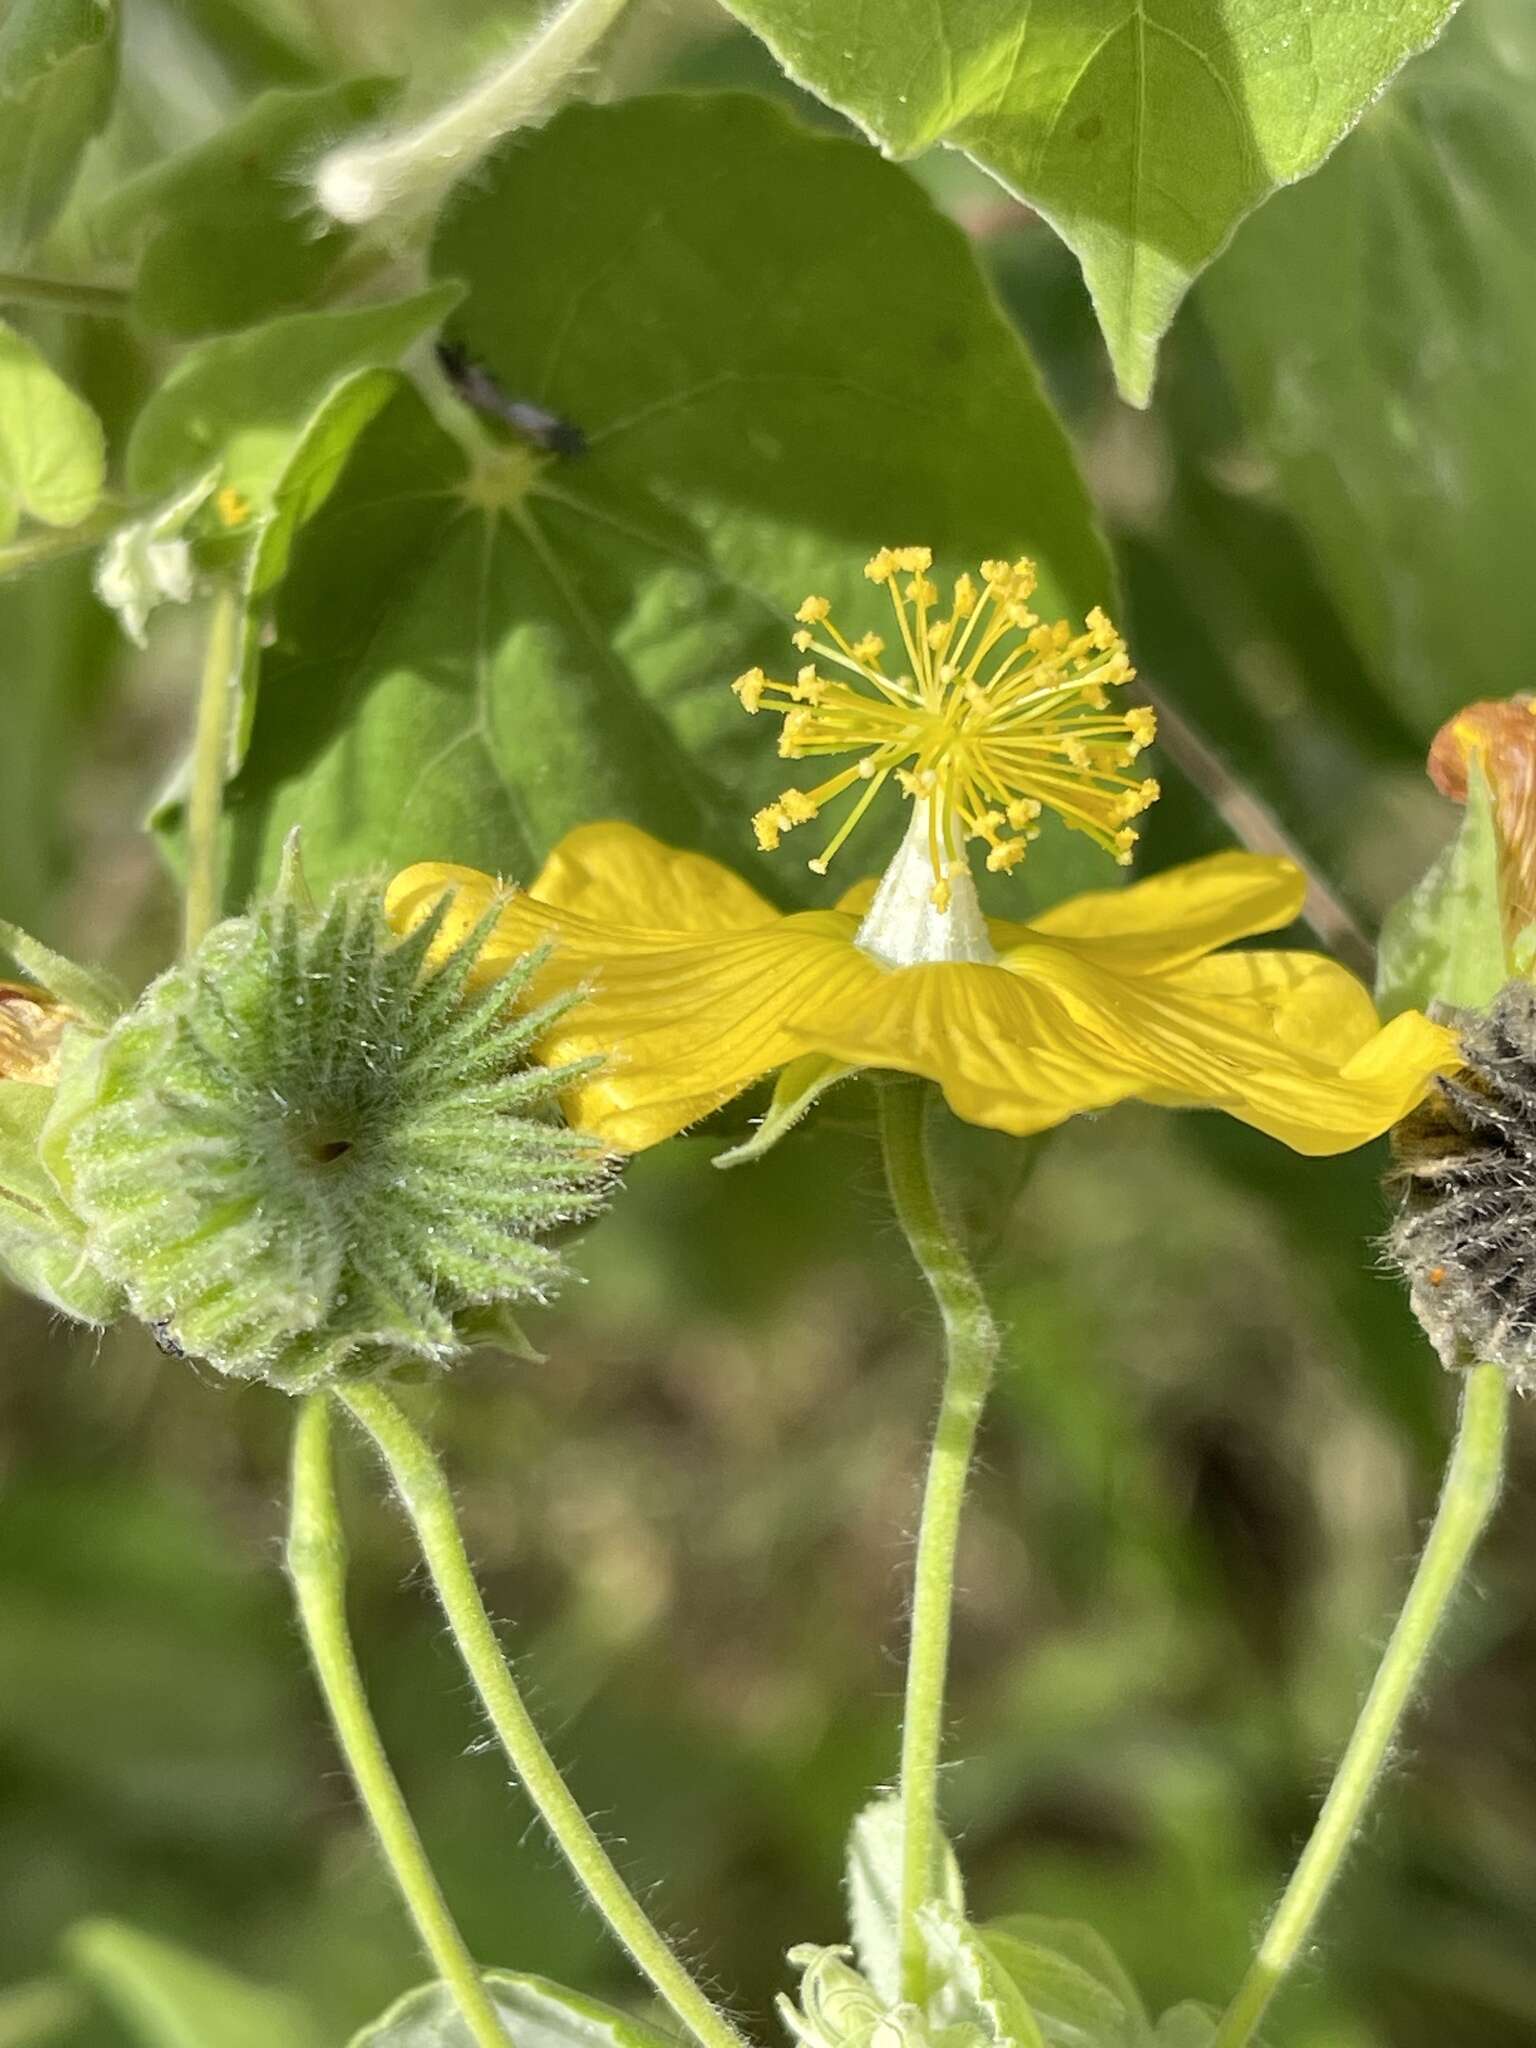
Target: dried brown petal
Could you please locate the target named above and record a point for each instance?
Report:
(32, 1024)
(1501, 734)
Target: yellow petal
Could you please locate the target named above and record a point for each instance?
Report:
(616, 874)
(1160, 923)
(1173, 917)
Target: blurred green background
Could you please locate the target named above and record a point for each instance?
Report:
(1217, 1432)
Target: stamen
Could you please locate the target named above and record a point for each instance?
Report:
(1002, 716)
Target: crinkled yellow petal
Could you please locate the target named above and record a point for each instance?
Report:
(1150, 926)
(683, 1020)
(616, 874)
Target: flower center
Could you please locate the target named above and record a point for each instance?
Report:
(992, 717)
(904, 926)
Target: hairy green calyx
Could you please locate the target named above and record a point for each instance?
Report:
(304, 1152)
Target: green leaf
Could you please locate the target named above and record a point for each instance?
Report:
(470, 657)
(1380, 325)
(1076, 1988)
(170, 1999)
(975, 1988)
(1142, 135)
(1186, 2026)
(52, 456)
(538, 2013)
(241, 401)
(58, 72)
(229, 236)
(872, 1876)
(1444, 941)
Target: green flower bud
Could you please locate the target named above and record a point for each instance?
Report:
(305, 1152)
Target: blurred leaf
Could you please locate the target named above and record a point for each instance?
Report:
(1444, 942)
(170, 1999)
(975, 1988)
(1186, 2026)
(52, 456)
(230, 235)
(1142, 139)
(243, 400)
(1380, 324)
(872, 1876)
(93, 995)
(518, 644)
(538, 2014)
(1076, 1988)
(58, 72)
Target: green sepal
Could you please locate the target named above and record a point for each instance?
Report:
(92, 994)
(1443, 943)
(797, 1088)
(42, 1242)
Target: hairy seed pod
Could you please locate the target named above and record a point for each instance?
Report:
(1465, 1234)
(306, 1152)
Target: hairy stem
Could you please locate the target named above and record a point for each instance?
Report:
(210, 768)
(18, 287)
(970, 1341)
(317, 1564)
(428, 1502)
(1472, 1482)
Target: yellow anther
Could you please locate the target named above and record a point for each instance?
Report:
(995, 717)
(232, 507)
(749, 688)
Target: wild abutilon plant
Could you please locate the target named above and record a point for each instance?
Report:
(302, 1153)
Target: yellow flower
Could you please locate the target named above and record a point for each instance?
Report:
(696, 987)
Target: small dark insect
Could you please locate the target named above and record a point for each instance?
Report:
(161, 1332)
(478, 388)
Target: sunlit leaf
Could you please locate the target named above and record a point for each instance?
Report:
(242, 400)
(228, 230)
(1078, 1992)
(975, 1988)
(1142, 133)
(58, 70)
(52, 458)
(538, 2014)
(168, 1998)
(1380, 323)
(472, 656)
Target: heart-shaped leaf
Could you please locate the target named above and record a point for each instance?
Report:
(1143, 131)
(472, 655)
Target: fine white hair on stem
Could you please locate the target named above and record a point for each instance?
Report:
(414, 165)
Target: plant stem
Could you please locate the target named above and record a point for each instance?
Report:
(35, 2012)
(41, 545)
(971, 1344)
(317, 1563)
(428, 1503)
(210, 768)
(18, 287)
(1472, 1482)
